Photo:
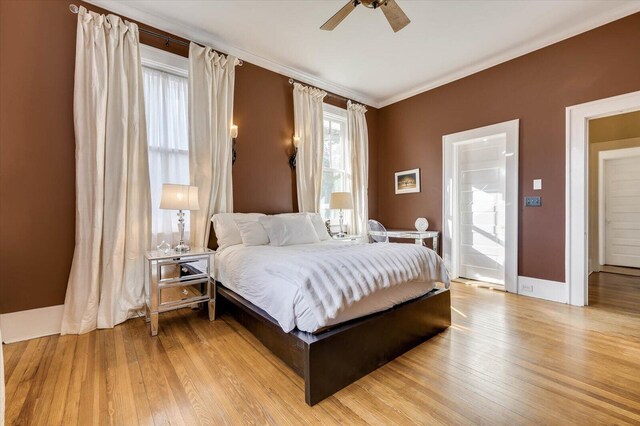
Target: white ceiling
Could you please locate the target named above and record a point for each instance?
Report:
(362, 58)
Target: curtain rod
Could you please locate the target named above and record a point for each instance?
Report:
(168, 39)
(331, 95)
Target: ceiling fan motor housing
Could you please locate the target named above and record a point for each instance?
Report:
(372, 4)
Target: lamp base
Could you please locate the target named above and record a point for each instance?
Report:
(181, 248)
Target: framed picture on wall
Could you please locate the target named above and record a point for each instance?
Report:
(407, 181)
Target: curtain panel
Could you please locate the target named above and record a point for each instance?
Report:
(113, 218)
(211, 87)
(307, 115)
(359, 144)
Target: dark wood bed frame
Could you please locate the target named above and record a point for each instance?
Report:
(331, 359)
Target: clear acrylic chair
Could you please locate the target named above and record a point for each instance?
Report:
(379, 230)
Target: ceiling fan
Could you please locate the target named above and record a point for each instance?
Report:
(396, 17)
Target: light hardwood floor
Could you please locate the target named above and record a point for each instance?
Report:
(506, 360)
(614, 292)
(620, 270)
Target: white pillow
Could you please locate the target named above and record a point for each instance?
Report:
(226, 229)
(252, 233)
(319, 226)
(286, 230)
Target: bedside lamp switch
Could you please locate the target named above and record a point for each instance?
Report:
(537, 184)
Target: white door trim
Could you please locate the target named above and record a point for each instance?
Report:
(603, 156)
(450, 202)
(576, 187)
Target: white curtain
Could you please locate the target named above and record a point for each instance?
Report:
(106, 284)
(166, 106)
(307, 116)
(358, 139)
(211, 82)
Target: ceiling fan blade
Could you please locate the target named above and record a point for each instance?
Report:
(396, 17)
(339, 17)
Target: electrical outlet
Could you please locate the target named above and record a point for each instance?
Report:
(527, 287)
(532, 201)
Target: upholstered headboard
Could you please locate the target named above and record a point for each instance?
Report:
(213, 240)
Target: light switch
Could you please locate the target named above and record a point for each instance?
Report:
(537, 184)
(532, 201)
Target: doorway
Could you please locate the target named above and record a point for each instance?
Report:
(480, 204)
(579, 237)
(614, 212)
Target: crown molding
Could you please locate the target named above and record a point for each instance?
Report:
(183, 30)
(613, 14)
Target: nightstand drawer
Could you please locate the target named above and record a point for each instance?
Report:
(184, 282)
(178, 304)
(183, 294)
(169, 282)
(170, 272)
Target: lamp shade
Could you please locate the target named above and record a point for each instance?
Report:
(179, 197)
(341, 200)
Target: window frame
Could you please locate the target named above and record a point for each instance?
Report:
(164, 61)
(337, 114)
(176, 65)
(170, 63)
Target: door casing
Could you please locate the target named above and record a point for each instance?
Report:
(603, 157)
(576, 204)
(450, 249)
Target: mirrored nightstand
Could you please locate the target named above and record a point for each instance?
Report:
(172, 281)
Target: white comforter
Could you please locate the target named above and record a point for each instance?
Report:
(329, 276)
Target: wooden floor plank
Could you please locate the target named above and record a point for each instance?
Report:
(507, 359)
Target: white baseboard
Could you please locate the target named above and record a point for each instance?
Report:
(542, 289)
(25, 325)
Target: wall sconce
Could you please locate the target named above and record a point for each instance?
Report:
(234, 135)
(292, 159)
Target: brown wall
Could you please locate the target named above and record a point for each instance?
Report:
(37, 169)
(37, 148)
(536, 88)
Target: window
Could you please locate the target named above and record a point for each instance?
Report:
(336, 171)
(166, 92)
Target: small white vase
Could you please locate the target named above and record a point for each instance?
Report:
(422, 224)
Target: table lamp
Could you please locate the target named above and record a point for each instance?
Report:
(341, 201)
(179, 197)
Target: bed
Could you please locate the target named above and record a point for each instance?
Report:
(257, 286)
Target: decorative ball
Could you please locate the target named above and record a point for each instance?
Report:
(422, 224)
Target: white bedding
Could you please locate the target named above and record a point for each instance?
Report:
(272, 278)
